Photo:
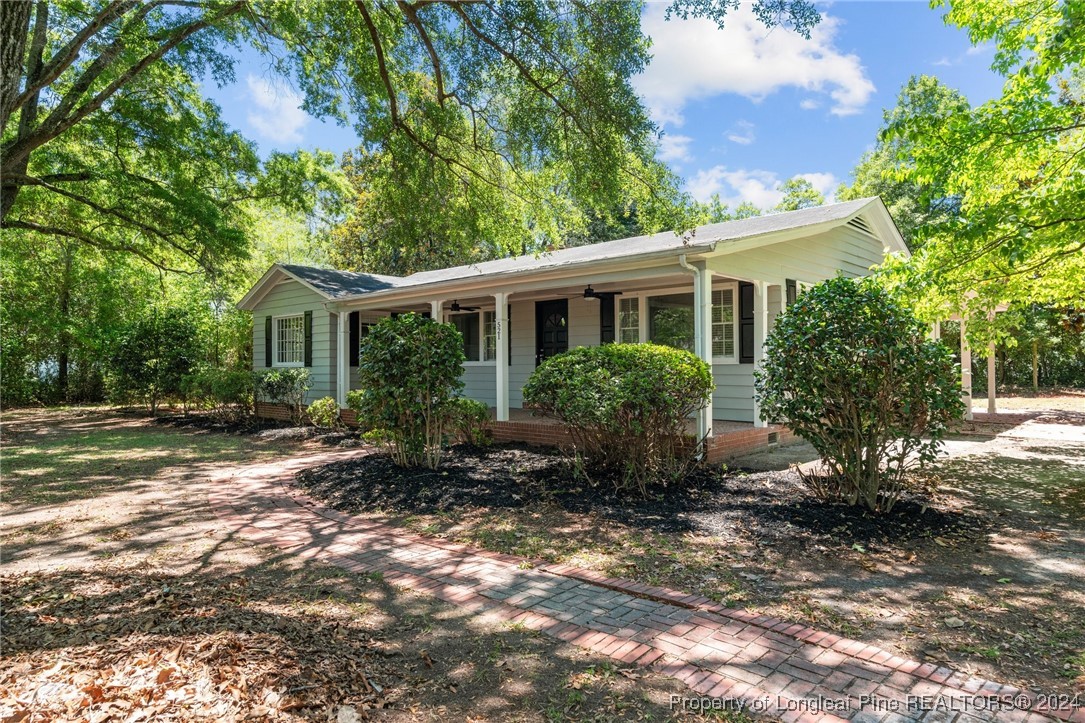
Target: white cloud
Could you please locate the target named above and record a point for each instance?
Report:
(761, 188)
(674, 148)
(980, 49)
(695, 59)
(742, 134)
(809, 104)
(276, 112)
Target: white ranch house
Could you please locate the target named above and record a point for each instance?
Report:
(714, 291)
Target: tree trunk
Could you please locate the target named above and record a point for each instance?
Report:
(65, 337)
(28, 116)
(1035, 366)
(14, 28)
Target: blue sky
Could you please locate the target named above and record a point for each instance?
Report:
(742, 108)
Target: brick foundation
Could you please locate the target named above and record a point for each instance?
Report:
(722, 446)
(267, 410)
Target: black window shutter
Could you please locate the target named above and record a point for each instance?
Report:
(606, 318)
(267, 341)
(308, 338)
(745, 322)
(508, 329)
(355, 336)
(792, 291)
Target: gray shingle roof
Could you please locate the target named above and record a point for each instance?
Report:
(341, 284)
(346, 284)
(702, 236)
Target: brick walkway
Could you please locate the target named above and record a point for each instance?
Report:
(784, 671)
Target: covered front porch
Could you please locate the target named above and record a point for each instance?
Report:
(695, 304)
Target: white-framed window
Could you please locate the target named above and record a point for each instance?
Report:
(288, 340)
(479, 330)
(668, 319)
(489, 336)
(724, 327)
(629, 320)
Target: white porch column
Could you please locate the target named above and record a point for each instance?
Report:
(436, 310)
(966, 371)
(936, 331)
(501, 372)
(992, 406)
(760, 332)
(702, 336)
(342, 362)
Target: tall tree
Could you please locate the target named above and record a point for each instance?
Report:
(799, 193)
(107, 141)
(1017, 164)
(493, 113)
(105, 138)
(917, 207)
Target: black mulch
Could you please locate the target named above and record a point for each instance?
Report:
(768, 506)
(263, 428)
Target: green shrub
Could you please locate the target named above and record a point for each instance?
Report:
(626, 407)
(324, 412)
(228, 393)
(409, 369)
(470, 420)
(285, 386)
(152, 356)
(852, 371)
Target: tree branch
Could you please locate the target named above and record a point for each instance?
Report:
(91, 241)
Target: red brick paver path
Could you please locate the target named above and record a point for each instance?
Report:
(781, 670)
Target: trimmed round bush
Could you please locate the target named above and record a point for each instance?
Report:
(627, 407)
(409, 370)
(324, 412)
(851, 370)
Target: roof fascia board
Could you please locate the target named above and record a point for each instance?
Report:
(508, 281)
(484, 287)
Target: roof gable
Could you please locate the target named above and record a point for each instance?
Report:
(332, 284)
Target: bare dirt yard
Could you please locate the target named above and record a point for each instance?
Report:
(987, 576)
(123, 598)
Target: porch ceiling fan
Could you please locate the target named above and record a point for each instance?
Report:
(590, 293)
(456, 307)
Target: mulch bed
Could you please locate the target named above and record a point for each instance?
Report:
(261, 427)
(770, 507)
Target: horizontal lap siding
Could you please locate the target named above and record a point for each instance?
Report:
(523, 349)
(732, 399)
(291, 297)
(480, 383)
(842, 250)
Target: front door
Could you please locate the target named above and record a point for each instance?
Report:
(551, 328)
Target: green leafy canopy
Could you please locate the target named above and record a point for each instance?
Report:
(1015, 165)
